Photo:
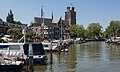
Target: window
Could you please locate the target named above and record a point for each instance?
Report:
(45, 45)
(37, 49)
(14, 47)
(3, 47)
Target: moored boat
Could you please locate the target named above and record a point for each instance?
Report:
(48, 46)
(9, 65)
(20, 50)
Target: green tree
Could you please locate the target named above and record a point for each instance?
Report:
(112, 28)
(17, 22)
(76, 30)
(31, 36)
(15, 33)
(94, 29)
(10, 18)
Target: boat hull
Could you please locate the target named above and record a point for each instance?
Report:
(10, 68)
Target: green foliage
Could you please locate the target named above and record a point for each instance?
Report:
(30, 36)
(15, 33)
(10, 18)
(112, 28)
(76, 30)
(17, 22)
(94, 29)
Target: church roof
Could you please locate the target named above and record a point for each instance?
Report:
(55, 20)
(46, 20)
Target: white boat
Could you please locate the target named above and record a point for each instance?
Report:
(21, 51)
(64, 50)
(48, 46)
(9, 65)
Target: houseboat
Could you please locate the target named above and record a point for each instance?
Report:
(10, 65)
(21, 51)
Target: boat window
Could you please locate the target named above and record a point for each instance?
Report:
(3, 47)
(45, 45)
(14, 47)
(37, 49)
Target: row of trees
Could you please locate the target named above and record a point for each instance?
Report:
(95, 30)
(16, 34)
(113, 29)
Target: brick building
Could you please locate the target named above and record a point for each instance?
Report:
(70, 16)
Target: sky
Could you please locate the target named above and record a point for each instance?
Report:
(87, 11)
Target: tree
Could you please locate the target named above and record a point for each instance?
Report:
(94, 29)
(31, 36)
(112, 29)
(10, 18)
(15, 33)
(76, 30)
(17, 22)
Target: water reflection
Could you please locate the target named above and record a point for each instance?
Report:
(114, 52)
(87, 57)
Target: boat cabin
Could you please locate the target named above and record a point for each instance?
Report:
(21, 50)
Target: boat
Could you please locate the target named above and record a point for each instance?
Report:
(48, 46)
(55, 47)
(9, 65)
(21, 51)
(64, 50)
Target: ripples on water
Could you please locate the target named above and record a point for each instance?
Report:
(87, 57)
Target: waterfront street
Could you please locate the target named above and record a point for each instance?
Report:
(87, 57)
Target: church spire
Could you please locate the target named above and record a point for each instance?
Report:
(52, 15)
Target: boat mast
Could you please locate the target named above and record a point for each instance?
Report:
(41, 22)
(61, 29)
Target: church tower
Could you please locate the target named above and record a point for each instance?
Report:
(70, 17)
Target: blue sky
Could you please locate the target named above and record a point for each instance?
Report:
(88, 11)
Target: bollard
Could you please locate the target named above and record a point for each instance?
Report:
(51, 58)
(30, 58)
(64, 47)
(59, 48)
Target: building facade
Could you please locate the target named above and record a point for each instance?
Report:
(4, 26)
(51, 27)
(70, 17)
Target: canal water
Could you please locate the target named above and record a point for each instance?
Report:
(87, 57)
